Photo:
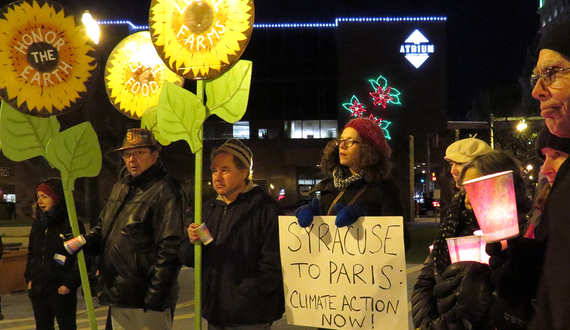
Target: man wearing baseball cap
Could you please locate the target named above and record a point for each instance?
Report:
(137, 237)
(242, 285)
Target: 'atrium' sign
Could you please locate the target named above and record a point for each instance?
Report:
(417, 48)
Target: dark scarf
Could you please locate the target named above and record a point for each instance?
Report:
(52, 216)
(457, 219)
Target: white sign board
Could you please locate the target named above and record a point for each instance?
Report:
(352, 277)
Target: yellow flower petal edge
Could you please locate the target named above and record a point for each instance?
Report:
(200, 39)
(134, 75)
(46, 58)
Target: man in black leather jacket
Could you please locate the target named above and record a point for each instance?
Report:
(137, 238)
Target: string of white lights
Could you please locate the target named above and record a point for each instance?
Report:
(306, 25)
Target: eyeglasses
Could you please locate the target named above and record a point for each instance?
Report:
(347, 142)
(548, 76)
(137, 154)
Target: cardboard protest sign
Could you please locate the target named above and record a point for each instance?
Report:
(345, 278)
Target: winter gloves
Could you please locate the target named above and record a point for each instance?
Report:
(306, 213)
(347, 215)
(516, 275)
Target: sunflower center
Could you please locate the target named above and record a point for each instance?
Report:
(42, 56)
(143, 75)
(200, 17)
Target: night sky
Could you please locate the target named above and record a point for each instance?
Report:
(488, 41)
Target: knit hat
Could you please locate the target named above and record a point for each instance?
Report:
(138, 138)
(236, 148)
(548, 140)
(557, 38)
(53, 188)
(370, 132)
(463, 151)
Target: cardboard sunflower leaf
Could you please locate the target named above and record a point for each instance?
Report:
(180, 116)
(149, 121)
(23, 136)
(76, 153)
(227, 95)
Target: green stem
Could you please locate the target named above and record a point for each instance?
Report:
(198, 220)
(72, 214)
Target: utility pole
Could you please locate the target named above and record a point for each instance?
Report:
(412, 183)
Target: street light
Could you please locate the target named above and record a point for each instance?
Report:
(522, 126)
(92, 27)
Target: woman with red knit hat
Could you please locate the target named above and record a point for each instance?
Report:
(52, 272)
(358, 181)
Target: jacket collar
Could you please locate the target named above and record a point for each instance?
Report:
(249, 186)
(157, 170)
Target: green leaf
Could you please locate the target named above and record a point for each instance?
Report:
(75, 152)
(228, 94)
(181, 116)
(149, 121)
(23, 136)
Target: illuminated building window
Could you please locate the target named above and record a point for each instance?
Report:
(311, 129)
(241, 130)
(214, 130)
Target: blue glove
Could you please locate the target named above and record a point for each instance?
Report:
(347, 215)
(306, 213)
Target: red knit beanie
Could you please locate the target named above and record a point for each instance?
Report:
(48, 190)
(371, 133)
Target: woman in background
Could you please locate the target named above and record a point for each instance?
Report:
(459, 296)
(52, 273)
(358, 181)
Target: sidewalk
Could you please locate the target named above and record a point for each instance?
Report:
(17, 308)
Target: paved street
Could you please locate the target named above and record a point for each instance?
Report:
(17, 309)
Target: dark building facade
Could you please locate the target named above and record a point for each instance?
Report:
(303, 75)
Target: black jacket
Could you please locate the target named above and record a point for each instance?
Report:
(242, 281)
(379, 199)
(45, 273)
(138, 235)
(553, 305)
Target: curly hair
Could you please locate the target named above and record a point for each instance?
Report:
(375, 164)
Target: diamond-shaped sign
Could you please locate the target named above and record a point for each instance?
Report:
(416, 48)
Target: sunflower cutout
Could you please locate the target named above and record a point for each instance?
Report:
(134, 75)
(46, 58)
(200, 39)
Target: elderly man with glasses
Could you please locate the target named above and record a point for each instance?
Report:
(137, 238)
(551, 86)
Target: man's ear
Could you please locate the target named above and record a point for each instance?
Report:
(245, 173)
(154, 154)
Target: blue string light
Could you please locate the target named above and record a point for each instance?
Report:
(305, 25)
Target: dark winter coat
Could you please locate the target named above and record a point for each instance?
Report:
(458, 221)
(242, 283)
(138, 235)
(379, 199)
(424, 302)
(45, 241)
(553, 305)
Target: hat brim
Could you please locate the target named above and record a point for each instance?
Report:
(142, 146)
